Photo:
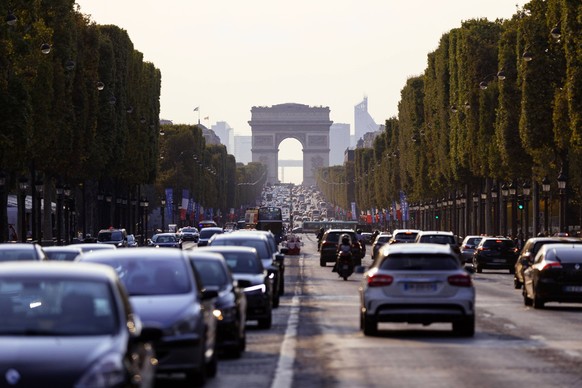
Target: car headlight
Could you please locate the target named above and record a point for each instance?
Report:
(186, 324)
(106, 372)
(226, 314)
(258, 288)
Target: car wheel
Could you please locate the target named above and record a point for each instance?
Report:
(538, 303)
(266, 323)
(370, 325)
(322, 262)
(361, 320)
(526, 300)
(477, 267)
(512, 270)
(197, 376)
(276, 300)
(516, 283)
(465, 327)
(282, 285)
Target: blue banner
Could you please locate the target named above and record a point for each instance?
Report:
(169, 203)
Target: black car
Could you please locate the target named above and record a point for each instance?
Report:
(70, 324)
(329, 242)
(554, 276)
(530, 250)
(495, 253)
(261, 243)
(248, 271)
(231, 303)
(165, 292)
(165, 240)
(207, 233)
(117, 237)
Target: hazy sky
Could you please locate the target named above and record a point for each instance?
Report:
(227, 56)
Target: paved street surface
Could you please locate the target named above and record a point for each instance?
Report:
(316, 342)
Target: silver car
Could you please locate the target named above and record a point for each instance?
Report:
(417, 283)
(468, 247)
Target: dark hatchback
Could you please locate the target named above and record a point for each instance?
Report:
(207, 233)
(555, 276)
(248, 271)
(231, 303)
(530, 250)
(329, 242)
(495, 253)
(70, 324)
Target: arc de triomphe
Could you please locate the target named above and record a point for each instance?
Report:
(310, 125)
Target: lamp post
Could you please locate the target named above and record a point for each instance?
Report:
(67, 192)
(100, 198)
(546, 190)
(562, 180)
(475, 208)
(526, 197)
(464, 214)
(133, 210)
(513, 197)
(494, 195)
(483, 213)
(146, 205)
(59, 190)
(504, 194)
(23, 186)
(163, 214)
(141, 217)
(38, 185)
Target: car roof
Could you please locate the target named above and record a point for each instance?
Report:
(227, 248)
(63, 248)
(417, 248)
(142, 253)
(58, 269)
(406, 231)
(436, 232)
(239, 236)
(205, 254)
(18, 246)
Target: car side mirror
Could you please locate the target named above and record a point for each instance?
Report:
(209, 294)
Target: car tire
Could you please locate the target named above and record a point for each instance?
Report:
(322, 263)
(197, 376)
(370, 325)
(512, 271)
(282, 284)
(526, 299)
(276, 300)
(538, 303)
(266, 323)
(465, 327)
(516, 283)
(477, 267)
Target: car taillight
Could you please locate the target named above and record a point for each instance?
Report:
(379, 280)
(483, 249)
(460, 280)
(551, 265)
(327, 244)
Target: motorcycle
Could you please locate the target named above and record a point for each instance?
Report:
(344, 265)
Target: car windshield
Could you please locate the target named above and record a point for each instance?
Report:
(211, 272)
(420, 262)
(383, 239)
(56, 307)
(110, 236)
(243, 262)
(259, 245)
(437, 239)
(164, 239)
(207, 233)
(157, 276)
(61, 256)
(17, 254)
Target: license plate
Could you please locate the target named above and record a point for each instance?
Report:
(420, 287)
(498, 260)
(573, 288)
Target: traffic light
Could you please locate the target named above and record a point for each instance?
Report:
(520, 205)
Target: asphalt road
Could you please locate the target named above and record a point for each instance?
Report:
(315, 340)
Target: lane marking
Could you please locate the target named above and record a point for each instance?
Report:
(284, 373)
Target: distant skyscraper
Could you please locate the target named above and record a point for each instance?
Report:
(363, 122)
(339, 141)
(226, 135)
(242, 149)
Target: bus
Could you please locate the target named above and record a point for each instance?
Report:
(266, 218)
(314, 226)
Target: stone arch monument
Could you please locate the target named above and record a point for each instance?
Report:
(309, 125)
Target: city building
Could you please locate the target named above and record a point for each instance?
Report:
(339, 140)
(226, 134)
(242, 149)
(363, 122)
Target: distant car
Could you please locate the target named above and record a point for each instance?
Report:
(329, 242)
(495, 253)
(117, 237)
(71, 325)
(417, 283)
(248, 271)
(439, 237)
(367, 238)
(189, 233)
(21, 252)
(165, 291)
(63, 253)
(207, 224)
(165, 240)
(403, 236)
(530, 250)
(468, 247)
(207, 233)
(231, 303)
(554, 276)
(380, 240)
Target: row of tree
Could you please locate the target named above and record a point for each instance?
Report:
(498, 102)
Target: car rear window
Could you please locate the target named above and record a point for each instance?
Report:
(498, 244)
(437, 239)
(569, 256)
(405, 236)
(420, 262)
(473, 241)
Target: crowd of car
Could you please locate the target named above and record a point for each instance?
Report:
(130, 317)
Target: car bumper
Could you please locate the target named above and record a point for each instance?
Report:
(227, 334)
(551, 291)
(179, 354)
(258, 306)
(495, 263)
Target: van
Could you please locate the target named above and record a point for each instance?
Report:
(117, 237)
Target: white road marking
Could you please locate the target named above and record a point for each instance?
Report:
(284, 373)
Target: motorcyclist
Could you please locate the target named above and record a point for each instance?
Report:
(344, 247)
(319, 237)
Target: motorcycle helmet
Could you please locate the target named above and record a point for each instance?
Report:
(345, 239)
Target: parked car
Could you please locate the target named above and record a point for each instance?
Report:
(117, 237)
(495, 253)
(329, 242)
(554, 276)
(530, 250)
(403, 236)
(380, 240)
(166, 293)
(71, 325)
(21, 252)
(165, 240)
(207, 233)
(468, 247)
(248, 271)
(261, 243)
(417, 283)
(231, 303)
(63, 253)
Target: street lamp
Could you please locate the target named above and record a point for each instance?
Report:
(475, 205)
(494, 195)
(23, 186)
(146, 205)
(526, 196)
(163, 213)
(562, 180)
(108, 199)
(504, 194)
(59, 190)
(513, 197)
(546, 190)
(38, 185)
(67, 193)
(483, 212)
